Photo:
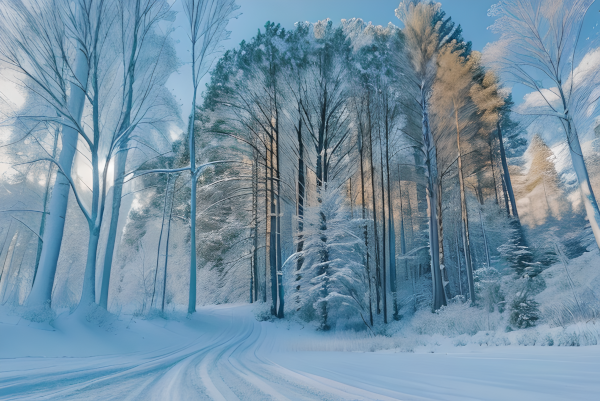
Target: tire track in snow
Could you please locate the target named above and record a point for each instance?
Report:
(224, 364)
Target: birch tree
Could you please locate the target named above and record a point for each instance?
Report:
(35, 45)
(137, 20)
(538, 48)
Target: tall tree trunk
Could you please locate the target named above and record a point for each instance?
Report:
(273, 232)
(365, 231)
(300, 200)
(41, 291)
(267, 224)
(119, 167)
(255, 221)
(464, 216)
(321, 172)
(194, 181)
(439, 297)
(384, 233)
(280, 295)
(88, 294)
(392, 237)
(375, 228)
(119, 174)
(402, 234)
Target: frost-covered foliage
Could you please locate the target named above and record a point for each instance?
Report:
(331, 284)
(455, 319)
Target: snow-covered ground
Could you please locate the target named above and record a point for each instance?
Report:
(224, 353)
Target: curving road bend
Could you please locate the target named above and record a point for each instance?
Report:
(238, 358)
(228, 362)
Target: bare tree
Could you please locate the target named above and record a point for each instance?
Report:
(36, 45)
(538, 45)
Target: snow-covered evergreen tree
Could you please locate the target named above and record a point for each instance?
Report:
(333, 282)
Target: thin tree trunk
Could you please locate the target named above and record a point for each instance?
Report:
(162, 225)
(494, 173)
(464, 217)
(164, 289)
(365, 231)
(485, 243)
(194, 180)
(193, 267)
(384, 232)
(11, 251)
(402, 235)
(458, 265)
(255, 220)
(273, 233)
(280, 310)
(375, 228)
(300, 201)
(391, 230)
(505, 195)
(506, 174)
(267, 221)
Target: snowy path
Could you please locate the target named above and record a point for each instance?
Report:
(238, 358)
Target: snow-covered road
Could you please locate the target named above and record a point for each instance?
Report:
(237, 358)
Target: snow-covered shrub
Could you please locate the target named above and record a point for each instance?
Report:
(454, 320)
(524, 311)
(331, 284)
(568, 339)
(349, 341)
(528, 338)
(548, 340)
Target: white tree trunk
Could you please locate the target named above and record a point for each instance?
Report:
(88, 294)
(119, 173)
(41, 291)
(587, 193)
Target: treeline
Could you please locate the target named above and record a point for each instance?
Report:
(337, 172)
(380, 141)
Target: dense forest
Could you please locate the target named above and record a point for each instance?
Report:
(344, 174)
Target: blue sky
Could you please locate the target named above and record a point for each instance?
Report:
(471, 14)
